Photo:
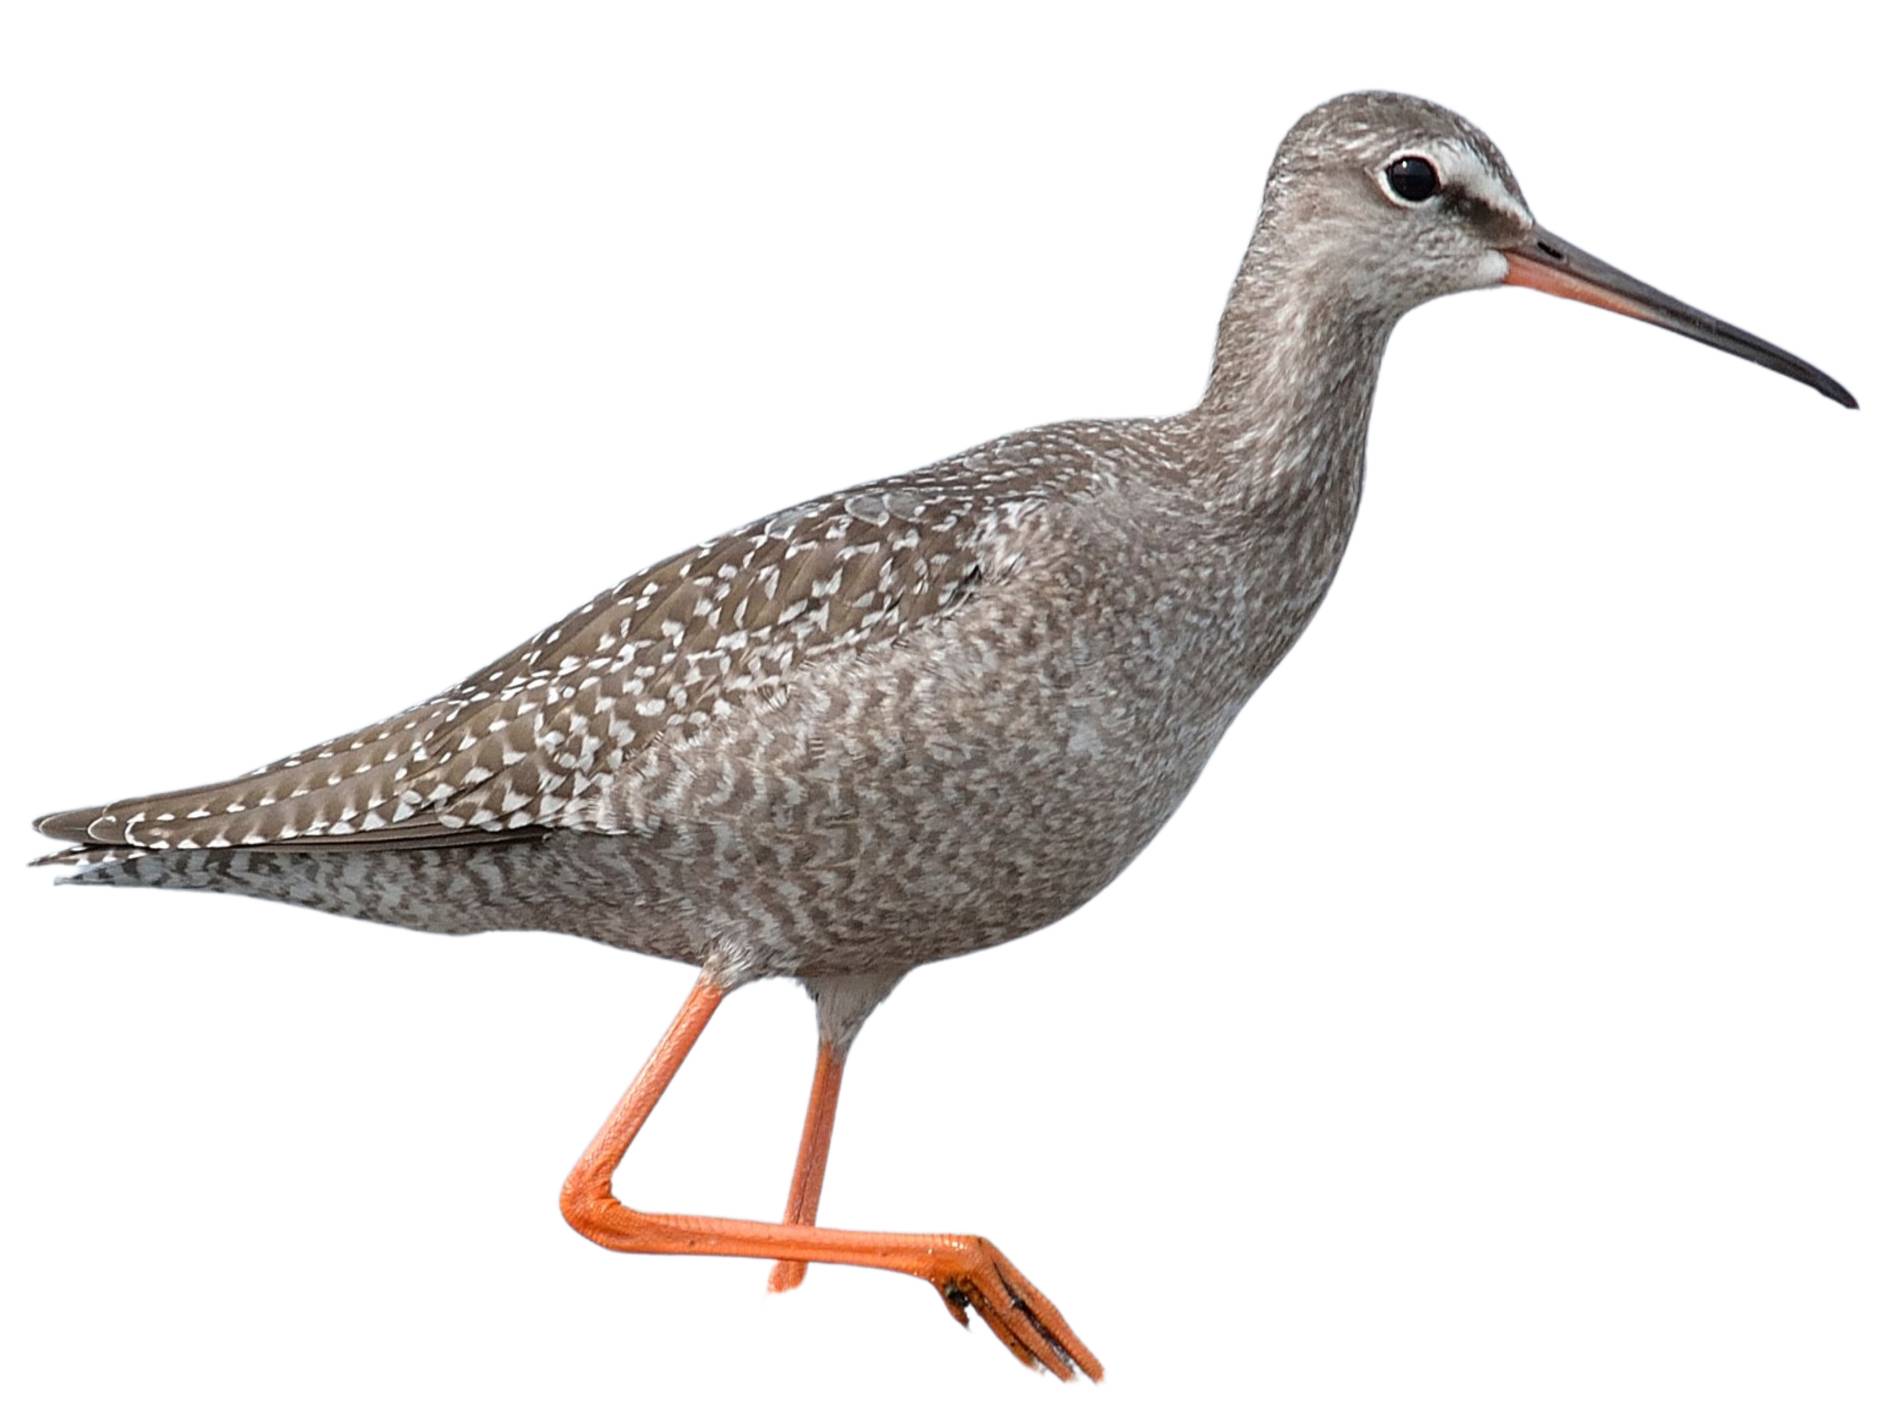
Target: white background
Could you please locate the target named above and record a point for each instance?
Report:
(1499, 1028)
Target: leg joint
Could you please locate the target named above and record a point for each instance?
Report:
(585, 1202)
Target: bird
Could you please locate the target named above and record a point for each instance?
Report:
(913, 718)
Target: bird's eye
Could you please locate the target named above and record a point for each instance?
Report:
(1412, 178)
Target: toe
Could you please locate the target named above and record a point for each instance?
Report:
(786, 1275)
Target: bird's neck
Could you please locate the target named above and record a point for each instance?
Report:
(1294, 373)
(1281, 434)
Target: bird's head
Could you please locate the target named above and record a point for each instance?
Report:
(1387, 201)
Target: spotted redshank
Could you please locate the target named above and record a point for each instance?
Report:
(912, 719)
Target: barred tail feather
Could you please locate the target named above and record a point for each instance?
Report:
(564, 882)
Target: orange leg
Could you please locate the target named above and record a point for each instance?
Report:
(816, 1137)
(967, 1271)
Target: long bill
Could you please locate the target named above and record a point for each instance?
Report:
(1546, 262)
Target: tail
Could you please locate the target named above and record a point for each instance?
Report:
(568, 884)
(418, 890)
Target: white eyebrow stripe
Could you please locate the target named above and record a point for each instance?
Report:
(1465, 171)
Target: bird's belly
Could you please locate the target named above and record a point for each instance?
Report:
(886, 821)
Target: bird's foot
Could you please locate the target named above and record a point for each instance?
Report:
(973, 1274)
(786, 1274)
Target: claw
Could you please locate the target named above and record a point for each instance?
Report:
(956, 1303)
(1015, 1310)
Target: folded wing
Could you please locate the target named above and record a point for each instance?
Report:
(532, 741)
